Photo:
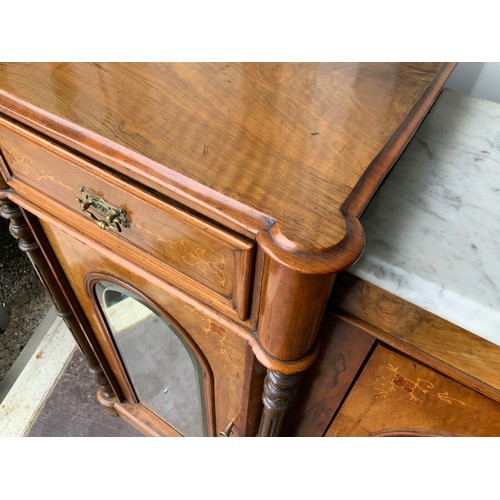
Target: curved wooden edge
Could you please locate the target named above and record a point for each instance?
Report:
(408, 433)
(107, 404)
(222, 209)
(246, 334)
(207, 378)
(334, 259)
(383, 162)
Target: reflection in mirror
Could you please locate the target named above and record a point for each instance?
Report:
(163, 370)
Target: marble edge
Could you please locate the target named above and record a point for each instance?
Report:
(444, 303)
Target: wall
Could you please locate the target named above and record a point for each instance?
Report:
(478, 79)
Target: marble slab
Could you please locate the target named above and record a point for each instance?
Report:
(433, 228)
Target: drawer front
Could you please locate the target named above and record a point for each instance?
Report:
(212, 257)
(395, 395)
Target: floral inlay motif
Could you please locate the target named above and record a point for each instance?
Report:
(414, 388)
(196, 257)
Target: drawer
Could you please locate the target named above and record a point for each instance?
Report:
(207, 255)
(395, 395)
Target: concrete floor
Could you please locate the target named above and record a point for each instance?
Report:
(49, 391)
(33, 376)
(35, 345)
(22, 298)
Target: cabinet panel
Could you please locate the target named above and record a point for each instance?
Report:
(395, 395)
(217, 259)
(225, 353)
(342, 350)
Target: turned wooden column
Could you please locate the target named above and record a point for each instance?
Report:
(279, 392)
(292, 306)
(20, 230)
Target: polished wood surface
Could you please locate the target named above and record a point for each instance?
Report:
(215, 258)
(224, 351)
(342, 351)
(269, 165)
(396, 395)
(273, 149)
(459, 354)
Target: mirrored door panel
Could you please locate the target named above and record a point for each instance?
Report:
(164, 371)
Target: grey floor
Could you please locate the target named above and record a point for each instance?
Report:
(72, 409)
(22, 298)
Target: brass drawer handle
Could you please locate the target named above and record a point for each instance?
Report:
(114, 218)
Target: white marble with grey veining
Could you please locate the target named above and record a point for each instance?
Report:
(433, 229)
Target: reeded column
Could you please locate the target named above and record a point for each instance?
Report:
(20, 230)
(279, 392)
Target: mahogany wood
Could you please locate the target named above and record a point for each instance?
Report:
(395, 394)
(215, 137)
(244, 332)
(291, 336)
(453, 351)
(343, 349)
(269, 165)
(33, 200)
(224, 351)
(210, 256)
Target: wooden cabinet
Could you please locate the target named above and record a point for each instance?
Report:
(221, 357)
(398, 396)
(213, 204)
(389, 368)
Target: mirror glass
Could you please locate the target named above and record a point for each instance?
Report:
(163, 370)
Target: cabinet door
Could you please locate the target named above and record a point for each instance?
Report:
(398, 396)
(179, 365)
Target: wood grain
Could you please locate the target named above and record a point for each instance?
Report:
(342, 351)
(272, 158)
(291, 309)
(455, 352)
(224, 351)
(215, 258)
(395, 394)
(254, 146)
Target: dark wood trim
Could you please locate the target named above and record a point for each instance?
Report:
(80, 327)
(21, 228)
(278, 395)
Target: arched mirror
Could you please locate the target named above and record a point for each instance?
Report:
(164, 371)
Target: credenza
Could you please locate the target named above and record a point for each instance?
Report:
(194, 224)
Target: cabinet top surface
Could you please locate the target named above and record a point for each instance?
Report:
(290, 142)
